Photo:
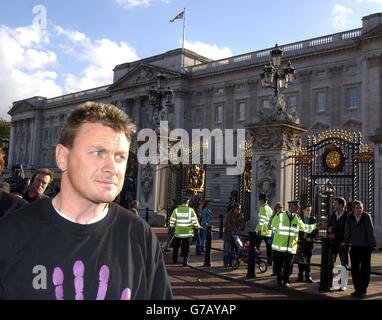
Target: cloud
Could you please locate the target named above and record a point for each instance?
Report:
(370, 1)
(127, 4)
(24, 65)
(74, 36)
(100, 56)
(340, 16)
(211, 51)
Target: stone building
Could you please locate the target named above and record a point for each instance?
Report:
(338, 85)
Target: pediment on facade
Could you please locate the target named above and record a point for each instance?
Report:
(21, 106)
(142, 74)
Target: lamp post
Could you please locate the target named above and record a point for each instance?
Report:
(277, 77)
(160, 98)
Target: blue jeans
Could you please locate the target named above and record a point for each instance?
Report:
(204, 237)
(227, 255)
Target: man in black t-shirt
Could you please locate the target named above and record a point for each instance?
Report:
(80, 245)
(40, 181)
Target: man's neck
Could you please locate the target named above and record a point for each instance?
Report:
(340, 211)
(31, 193)
(81, 212)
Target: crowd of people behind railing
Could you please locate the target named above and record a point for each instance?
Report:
(288, 235)
(289, 238)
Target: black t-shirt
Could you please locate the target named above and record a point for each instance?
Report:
(36, 197)
(10, 202)
(45, 256)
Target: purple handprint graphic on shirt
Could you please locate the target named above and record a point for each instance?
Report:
(78, 272)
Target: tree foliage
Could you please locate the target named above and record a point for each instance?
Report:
(5, 128)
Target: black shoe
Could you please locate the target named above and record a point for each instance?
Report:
(309, 279)
(354, 293)
(279, 284)
(185, 263)
(361, 295)
(299, 279)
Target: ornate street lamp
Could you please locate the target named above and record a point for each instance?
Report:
(277, 77)
(274, 76)
(160, 98)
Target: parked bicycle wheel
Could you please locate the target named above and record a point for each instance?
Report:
(235, 263)
(263, 267)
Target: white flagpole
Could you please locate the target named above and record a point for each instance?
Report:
(184, 35)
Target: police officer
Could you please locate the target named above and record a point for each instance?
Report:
(262, 230)
(286, 227)
(184, 220)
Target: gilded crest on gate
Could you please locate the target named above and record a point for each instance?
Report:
(195, 178)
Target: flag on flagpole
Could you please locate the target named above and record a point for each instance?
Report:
(180, 15)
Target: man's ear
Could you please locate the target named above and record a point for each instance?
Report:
(61, 157)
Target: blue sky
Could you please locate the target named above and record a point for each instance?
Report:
(84, 39)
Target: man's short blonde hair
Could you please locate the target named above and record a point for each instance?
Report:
(95, 112)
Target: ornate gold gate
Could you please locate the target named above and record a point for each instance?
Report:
(337, 158)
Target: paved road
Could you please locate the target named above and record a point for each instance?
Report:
(192, 284)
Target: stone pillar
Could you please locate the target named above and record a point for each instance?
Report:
(252, 101)
(208, 112)
(179, 111)
(377, 140)
(370, 98)
(137, 113)
(306, 114)
(12, 141)
(28, 142)
(335, 96)
(230, 108)
(273, 143)
(15, 143)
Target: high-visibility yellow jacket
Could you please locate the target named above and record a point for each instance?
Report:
(286, 231)
(265, 213)
(184, 219)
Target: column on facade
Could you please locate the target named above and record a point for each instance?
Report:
(21, 145)
(230, 107)
(335, 93)
(208, 123)
(179, 110)
(36, 144)
(208, 112)
(306, 111)
(29, 141)
(12, 142)
(371, 90)
(252, 100)
(17, 142)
